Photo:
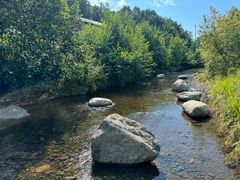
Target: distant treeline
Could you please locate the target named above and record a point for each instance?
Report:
(43, 42)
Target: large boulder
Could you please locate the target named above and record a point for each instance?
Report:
(11, 115)
(196, 109)
(189, 95)
(180, 86)
(13, 112)
(123, 141)
(160, 76)
(100, 102)
(182, 77)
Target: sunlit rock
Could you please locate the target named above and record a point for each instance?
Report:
(13, 112)
(100, 102)
(180, 86)
(160, 76)
(189, 95)
(123, 141)
(43, 168)
(196, 109)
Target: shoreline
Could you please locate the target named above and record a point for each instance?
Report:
(215, 121)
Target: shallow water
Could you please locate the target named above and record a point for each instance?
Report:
(58, 132)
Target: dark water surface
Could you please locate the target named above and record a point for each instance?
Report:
(58, 132)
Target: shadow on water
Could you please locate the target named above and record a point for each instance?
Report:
(145, 171)
(196, 120)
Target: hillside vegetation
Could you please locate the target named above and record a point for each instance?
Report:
(44, 43)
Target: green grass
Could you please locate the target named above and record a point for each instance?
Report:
(225, 102)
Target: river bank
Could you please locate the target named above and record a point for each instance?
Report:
(223, 98)
(218, 120)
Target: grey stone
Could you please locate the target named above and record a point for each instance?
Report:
(196, 109)
(160, 76)
(180, 86)
(189, 95)
(123, 141)
(100, 102)
(11, 115)
(13, 112)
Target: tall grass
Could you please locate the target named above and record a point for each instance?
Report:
(225, 102)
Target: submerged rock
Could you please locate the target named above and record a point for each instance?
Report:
(161, 76)
(182, 77)
(123, 141)
(180, 86)
(189, 95)
(43, 168)
(196, 109)
(100, 102)
(13, 112)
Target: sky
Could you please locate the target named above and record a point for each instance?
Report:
(188, 13)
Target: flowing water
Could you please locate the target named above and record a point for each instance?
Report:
(57, 134)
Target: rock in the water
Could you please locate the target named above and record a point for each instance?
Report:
(182, 77)
(123, 141)
(189, 95)
(11, 115)
(196, 109)
(13, 112)
(100, 102)
(180, 86)
(43, 168)
(161, 76)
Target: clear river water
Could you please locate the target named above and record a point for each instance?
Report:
(57, 135)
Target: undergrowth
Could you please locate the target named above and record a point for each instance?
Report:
(225, 103)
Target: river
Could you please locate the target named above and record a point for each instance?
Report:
(58, 133)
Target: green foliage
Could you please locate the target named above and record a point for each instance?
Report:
(177, 53)
(229, 89)
(157, 44)
(44, 43)
(219, 46)
(227, 105)
(35, 40)
(119, 47)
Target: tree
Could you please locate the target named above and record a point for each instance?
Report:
(219, 46)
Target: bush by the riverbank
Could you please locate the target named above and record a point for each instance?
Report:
(225, 103)
(45, 43)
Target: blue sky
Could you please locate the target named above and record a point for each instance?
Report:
(186, 12)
